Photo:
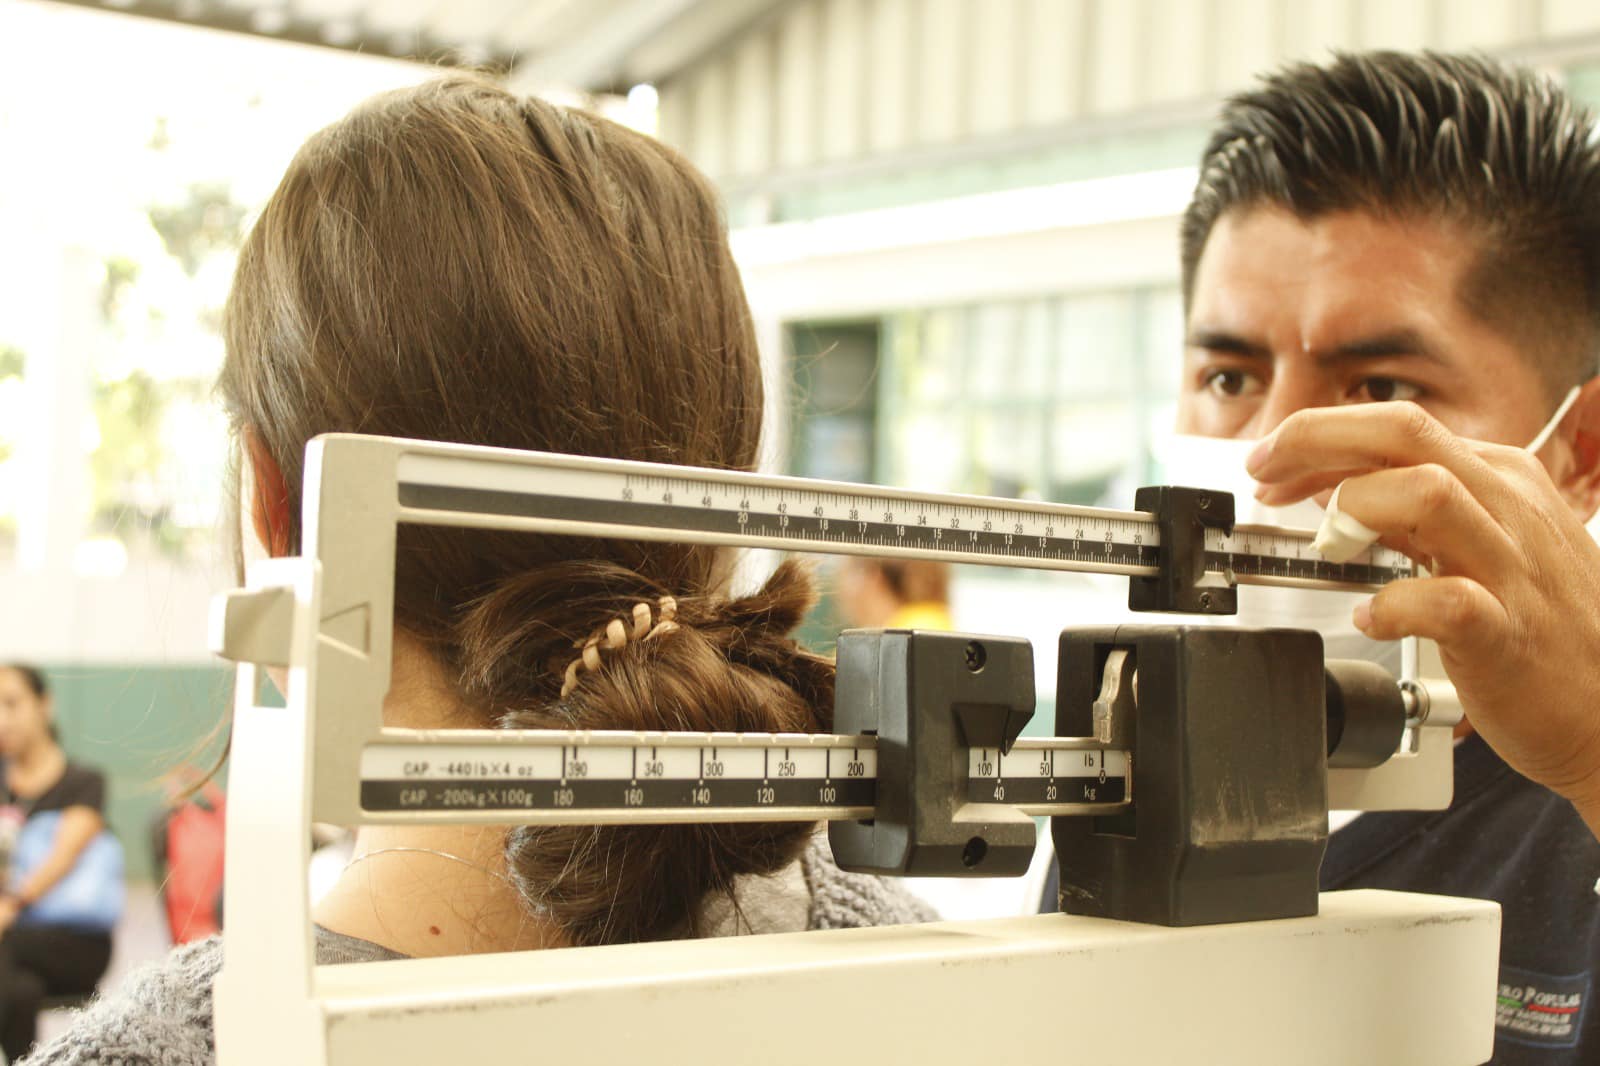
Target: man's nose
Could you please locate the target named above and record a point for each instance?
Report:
(1291, 389)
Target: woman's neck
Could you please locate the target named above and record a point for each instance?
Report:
(431, 890)
(40, 761)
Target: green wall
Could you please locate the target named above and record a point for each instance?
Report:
(138, 723)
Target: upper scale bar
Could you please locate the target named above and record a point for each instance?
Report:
(646, 501)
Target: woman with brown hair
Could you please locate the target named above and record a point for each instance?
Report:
(454, 263)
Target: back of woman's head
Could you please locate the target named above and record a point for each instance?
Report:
(455, 263)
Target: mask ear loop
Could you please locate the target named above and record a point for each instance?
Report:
(1550, 427)
(1342, 538)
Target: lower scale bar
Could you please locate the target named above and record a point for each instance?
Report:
(564, 778)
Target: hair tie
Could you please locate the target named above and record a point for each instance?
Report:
(616, 636)
(669, 611)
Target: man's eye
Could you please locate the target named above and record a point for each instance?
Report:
(1231, 384)
(1383, 390)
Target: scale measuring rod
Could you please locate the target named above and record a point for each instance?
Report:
(648, 501)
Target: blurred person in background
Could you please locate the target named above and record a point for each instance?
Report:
(894, 594)
(64, 888)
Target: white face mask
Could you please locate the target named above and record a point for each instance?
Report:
(1217, 463)
(1342, 537)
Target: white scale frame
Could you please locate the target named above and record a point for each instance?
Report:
(1375, 977)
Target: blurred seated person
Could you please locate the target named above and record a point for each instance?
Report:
(895, 594)
(63, 878)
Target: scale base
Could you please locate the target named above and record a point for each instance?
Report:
(1375, 977)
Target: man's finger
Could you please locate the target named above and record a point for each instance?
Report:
(1319, 484)
(1457, 612)
(1310, 444)
(1437, 517)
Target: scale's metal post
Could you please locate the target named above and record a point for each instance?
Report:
(268, 960)
(928, 719)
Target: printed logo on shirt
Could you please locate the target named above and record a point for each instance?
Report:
(1538, 1009)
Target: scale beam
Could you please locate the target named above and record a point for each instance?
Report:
(538, 777)
(648, 501)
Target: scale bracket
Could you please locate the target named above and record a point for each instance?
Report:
(925, 695)
(1182, 516)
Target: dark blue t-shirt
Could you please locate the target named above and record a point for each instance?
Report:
(1509, 840)
(1506, 839)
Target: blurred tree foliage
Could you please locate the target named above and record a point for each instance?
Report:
(122, 274)
(205, 222)
(132, 464)
(128, 464)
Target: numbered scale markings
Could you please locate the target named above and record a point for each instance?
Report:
(1042, 772)
(607, 497)
(575, 778)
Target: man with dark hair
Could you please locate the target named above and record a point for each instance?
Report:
(1426, 228)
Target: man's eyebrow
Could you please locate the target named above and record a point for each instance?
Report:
(1396, 342)
(1381, 345)
(1220, 340)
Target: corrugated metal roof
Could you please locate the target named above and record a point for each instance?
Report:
(586, 45)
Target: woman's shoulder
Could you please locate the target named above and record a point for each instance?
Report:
(78, 786)
(160, 1014)
(77, 771)
(841, 900)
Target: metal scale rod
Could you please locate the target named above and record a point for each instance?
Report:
(554, 777)
(649, 501)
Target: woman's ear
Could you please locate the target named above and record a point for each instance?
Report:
(268, 495)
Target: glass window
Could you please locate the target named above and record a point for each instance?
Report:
(1098, 339)
(1089, 446)
(1057, 398)
(1162, 319)
(927, 365)
(834, 368)
(994, 352)
(1008, 451)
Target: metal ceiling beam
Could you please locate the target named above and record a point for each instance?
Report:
(592, 56)
(702, 29)
(638, 40)
(282, 24)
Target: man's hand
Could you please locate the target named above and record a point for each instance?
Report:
(1514, 600)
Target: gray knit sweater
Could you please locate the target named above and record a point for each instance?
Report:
(161, 1015)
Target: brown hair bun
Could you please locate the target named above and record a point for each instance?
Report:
(728, 665)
